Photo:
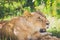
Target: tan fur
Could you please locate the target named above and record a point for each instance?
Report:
(26, 26)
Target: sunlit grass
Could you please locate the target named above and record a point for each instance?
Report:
(54, 27)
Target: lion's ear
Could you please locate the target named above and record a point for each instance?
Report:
(26, 13)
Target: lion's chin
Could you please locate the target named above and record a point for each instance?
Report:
(46, 33)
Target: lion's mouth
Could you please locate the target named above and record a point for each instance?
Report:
(42, 30)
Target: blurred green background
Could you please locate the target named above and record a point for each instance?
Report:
(51, 8)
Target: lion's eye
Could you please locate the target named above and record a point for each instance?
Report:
(39, 19)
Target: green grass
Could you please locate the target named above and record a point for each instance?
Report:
(54, 26)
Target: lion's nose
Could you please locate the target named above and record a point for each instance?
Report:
(42, 30)
(47, 23)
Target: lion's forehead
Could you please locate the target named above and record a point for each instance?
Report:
(39, 14)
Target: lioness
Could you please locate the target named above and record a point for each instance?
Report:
(26, 26)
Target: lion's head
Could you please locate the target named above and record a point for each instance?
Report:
(38, 20)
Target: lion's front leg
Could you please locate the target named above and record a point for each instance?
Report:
(38, 35)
